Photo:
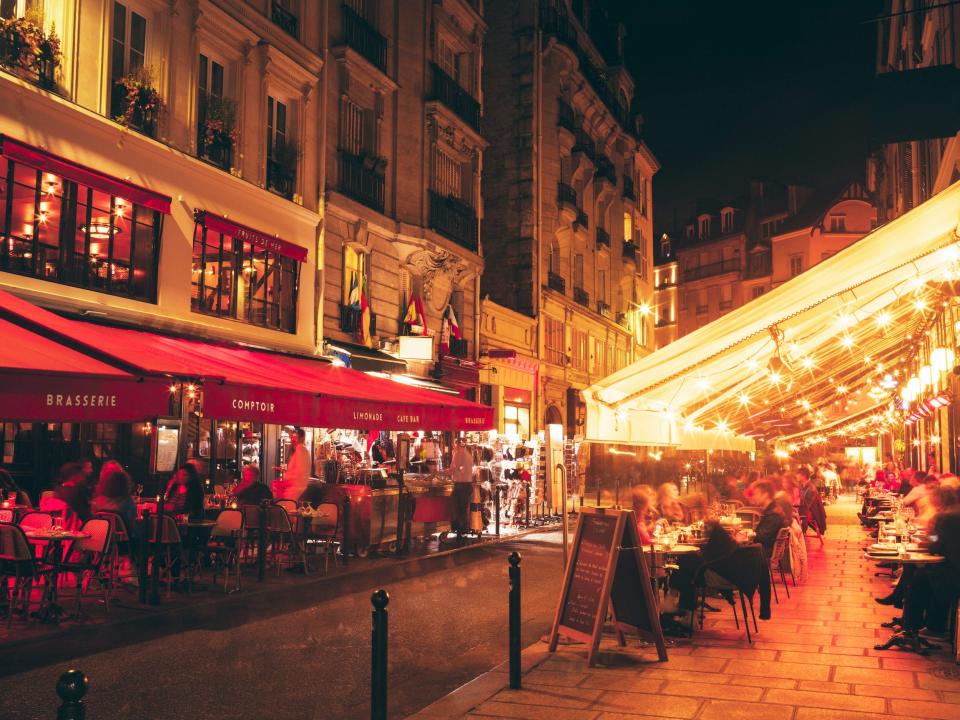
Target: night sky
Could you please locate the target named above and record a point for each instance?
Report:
(730, 91)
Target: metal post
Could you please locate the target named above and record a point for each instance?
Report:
(144, 563)
(157, 537)
(514, 620)
(71, 687)
(345, 544)
(378, 669)
(563, 508)
(262, 542)
(496, 507)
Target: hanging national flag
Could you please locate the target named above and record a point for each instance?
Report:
(353, 299)
(444, 335)
(421, 315)
(363, 332)
(410, 317)
(451, 318)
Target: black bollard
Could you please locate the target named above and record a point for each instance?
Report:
(157, 554)
(71, 687)
(345, 547)
(378, 669)
(144, 564)
(262, 542)
(514, 620)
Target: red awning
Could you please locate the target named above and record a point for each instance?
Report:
(244, 384)
(42, 380)
(48, 162)
(271, 243)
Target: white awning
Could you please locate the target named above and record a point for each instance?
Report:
(821, 325)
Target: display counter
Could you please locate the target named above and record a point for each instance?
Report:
(432, 500)
(374, 512)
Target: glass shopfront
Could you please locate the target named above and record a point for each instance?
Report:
(68, 232)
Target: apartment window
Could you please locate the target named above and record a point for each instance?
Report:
(838, 223)
(67, 232)
(580, 356)
(553, 261)
(643, 331)
(704, 228)
(553, 341)
(281, 149)
(286, 14)
(456, 65)
(599, 352)
(10, 9)
(447, 175)
(642, 187)
(756, 292)
(602, 286)
(128, 51)
(236, 276)
(726, 220)
(578, 271)
(627, 227)
(354, 275)
(642, 267)
(355, 128)
(516, 420)
(796, 265)
(216, 115)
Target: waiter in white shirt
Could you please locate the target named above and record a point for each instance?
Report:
(297, 474)
(461, 469)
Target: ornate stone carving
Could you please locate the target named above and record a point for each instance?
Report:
(440, 271)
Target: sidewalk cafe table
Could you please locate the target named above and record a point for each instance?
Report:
(50, 610)
(908, 641)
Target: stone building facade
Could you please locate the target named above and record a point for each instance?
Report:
(402, 155)
(568, 217)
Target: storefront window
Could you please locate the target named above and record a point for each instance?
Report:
(66, 232)
(243, 280)
(516, 420)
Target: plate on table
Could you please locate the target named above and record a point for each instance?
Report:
(684, 548)
(883, 547)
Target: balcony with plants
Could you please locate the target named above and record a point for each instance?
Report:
(217, 132)
(135, 102)
(629, 250)
(29, 52)
(363, 37)
(361, 177)
(446, 90)
(454, 219)
(282, 168)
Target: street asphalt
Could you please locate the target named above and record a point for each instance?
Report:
(446, 627)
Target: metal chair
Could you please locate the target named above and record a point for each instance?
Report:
(325, 530)
(289, 505)
(18, 564)
(120, 545)
(776, 561)
(87, 557)
(171, 547)
(281, 531)
(225, 544)
(251, 528)
(36, 521)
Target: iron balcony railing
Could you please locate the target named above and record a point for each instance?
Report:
(629, 250)
(581, 296)
(711, 269)
(603, 308)
(361, 180)
(351, 316)
(566, 194)
(628, 191)
(285, 20)
(556, 282)
(606, 170)
(454, 219)
(364, 38)
(280, 179)
(603, 237)
(664, 322)
(583, 143)
(448, 91)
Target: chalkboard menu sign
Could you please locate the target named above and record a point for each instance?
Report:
(607, 570)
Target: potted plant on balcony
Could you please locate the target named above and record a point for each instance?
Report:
(27, 50)
(219, 128)
(140, 104)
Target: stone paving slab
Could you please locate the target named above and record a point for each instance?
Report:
(814, 660)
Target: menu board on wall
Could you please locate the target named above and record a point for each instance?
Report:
(607, 570)
(167, 444)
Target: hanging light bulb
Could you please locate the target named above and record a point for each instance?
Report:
(913, 386)
(941, 359)
(926, 376)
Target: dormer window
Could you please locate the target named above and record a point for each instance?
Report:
(726, 220)
(704, 227)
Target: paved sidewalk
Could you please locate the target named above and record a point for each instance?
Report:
(813, 661)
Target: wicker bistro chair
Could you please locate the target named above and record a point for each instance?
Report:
(88, 556)
(225, 544)
(324, 531)
(289, 505)
(120, 545)
(282, 535)
(18, 569)
(251, 529)
(780, 546)
(171, 547)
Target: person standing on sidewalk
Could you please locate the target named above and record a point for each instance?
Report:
(461, 469)
(297, 474)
